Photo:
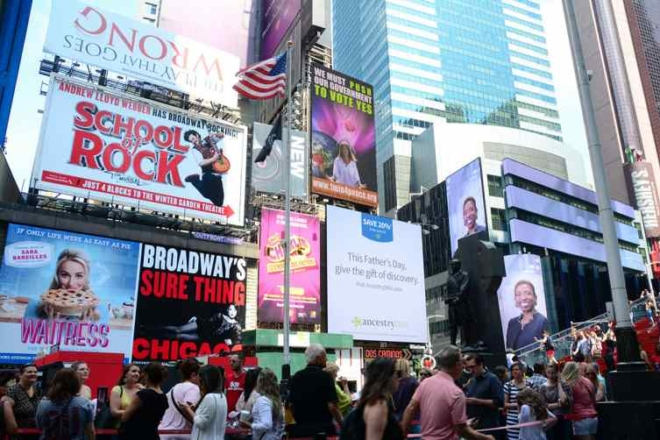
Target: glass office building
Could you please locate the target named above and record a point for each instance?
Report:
(479, 62)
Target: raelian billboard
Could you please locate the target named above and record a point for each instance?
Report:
(343, 138)
(305, 291)
(99, 144)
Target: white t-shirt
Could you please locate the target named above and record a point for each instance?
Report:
(184, 392)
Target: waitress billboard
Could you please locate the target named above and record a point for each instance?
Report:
(66, 290)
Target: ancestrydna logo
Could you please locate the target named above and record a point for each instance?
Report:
(378, 323)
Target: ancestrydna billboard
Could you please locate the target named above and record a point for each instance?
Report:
(99, 144)
(375, 278)
(73, 291)
(343, 138)
(305, 251)
(83, 32)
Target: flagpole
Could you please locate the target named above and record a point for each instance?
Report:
(286, 366)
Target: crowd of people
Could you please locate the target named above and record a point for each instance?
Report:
(461, 397)
(201, 406)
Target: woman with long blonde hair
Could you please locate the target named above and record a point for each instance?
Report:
(583, 412)
(268, 412)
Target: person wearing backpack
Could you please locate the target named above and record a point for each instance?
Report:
(373, 418)
(63, 415)
(185, 392)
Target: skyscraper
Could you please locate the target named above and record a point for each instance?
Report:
(621, 45)
(434, 61)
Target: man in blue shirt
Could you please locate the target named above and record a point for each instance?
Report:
(484, 394)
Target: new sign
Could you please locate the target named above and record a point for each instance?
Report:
(88, 34)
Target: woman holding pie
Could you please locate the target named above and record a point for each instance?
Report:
(69, 295)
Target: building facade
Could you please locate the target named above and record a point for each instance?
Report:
(14, 15)
(533, 211)
(619, 40)
(481, 62)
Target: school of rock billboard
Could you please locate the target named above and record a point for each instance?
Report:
(99, 144)
(343, 138)
(189, 304)
(305, 291)
(73, 291)
(83, 32)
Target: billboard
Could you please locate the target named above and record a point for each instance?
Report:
(375, 278)
(72, 291)
(189, 304)
(305, 289)
(99, 144)
(343, 138)
(268, 176)
(465, 203)
(276, 18)
(521, 298)
(643, 189)
(83, 32)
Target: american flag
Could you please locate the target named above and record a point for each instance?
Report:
(263, 80)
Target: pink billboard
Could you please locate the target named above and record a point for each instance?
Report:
(305, 290)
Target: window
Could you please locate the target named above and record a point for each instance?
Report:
(495, 186)
(499, 219)
(389, 177)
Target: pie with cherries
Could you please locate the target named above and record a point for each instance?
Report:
(69, 303)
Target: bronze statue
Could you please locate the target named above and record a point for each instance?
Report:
(460, 310)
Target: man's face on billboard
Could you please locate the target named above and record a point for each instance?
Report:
(469, 215)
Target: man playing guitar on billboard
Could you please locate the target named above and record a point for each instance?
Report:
(213, 164)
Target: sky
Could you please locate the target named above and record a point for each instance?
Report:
(566, 89)
(25, 121)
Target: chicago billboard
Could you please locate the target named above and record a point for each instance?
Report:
(73, 291)
(375, 278)
(276, 19)
(268, 176)
(305, 251)
(521, 297)
(343, 138)
(465, 204)
(83, 32)
(107, 146)
(189, 304)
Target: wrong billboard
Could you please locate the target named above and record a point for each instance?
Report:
(343, 138)
(102, 145)
(68, 290)
(305, 251)
(81, 31)
(375, 278)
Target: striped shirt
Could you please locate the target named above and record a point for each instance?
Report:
(511, 390)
